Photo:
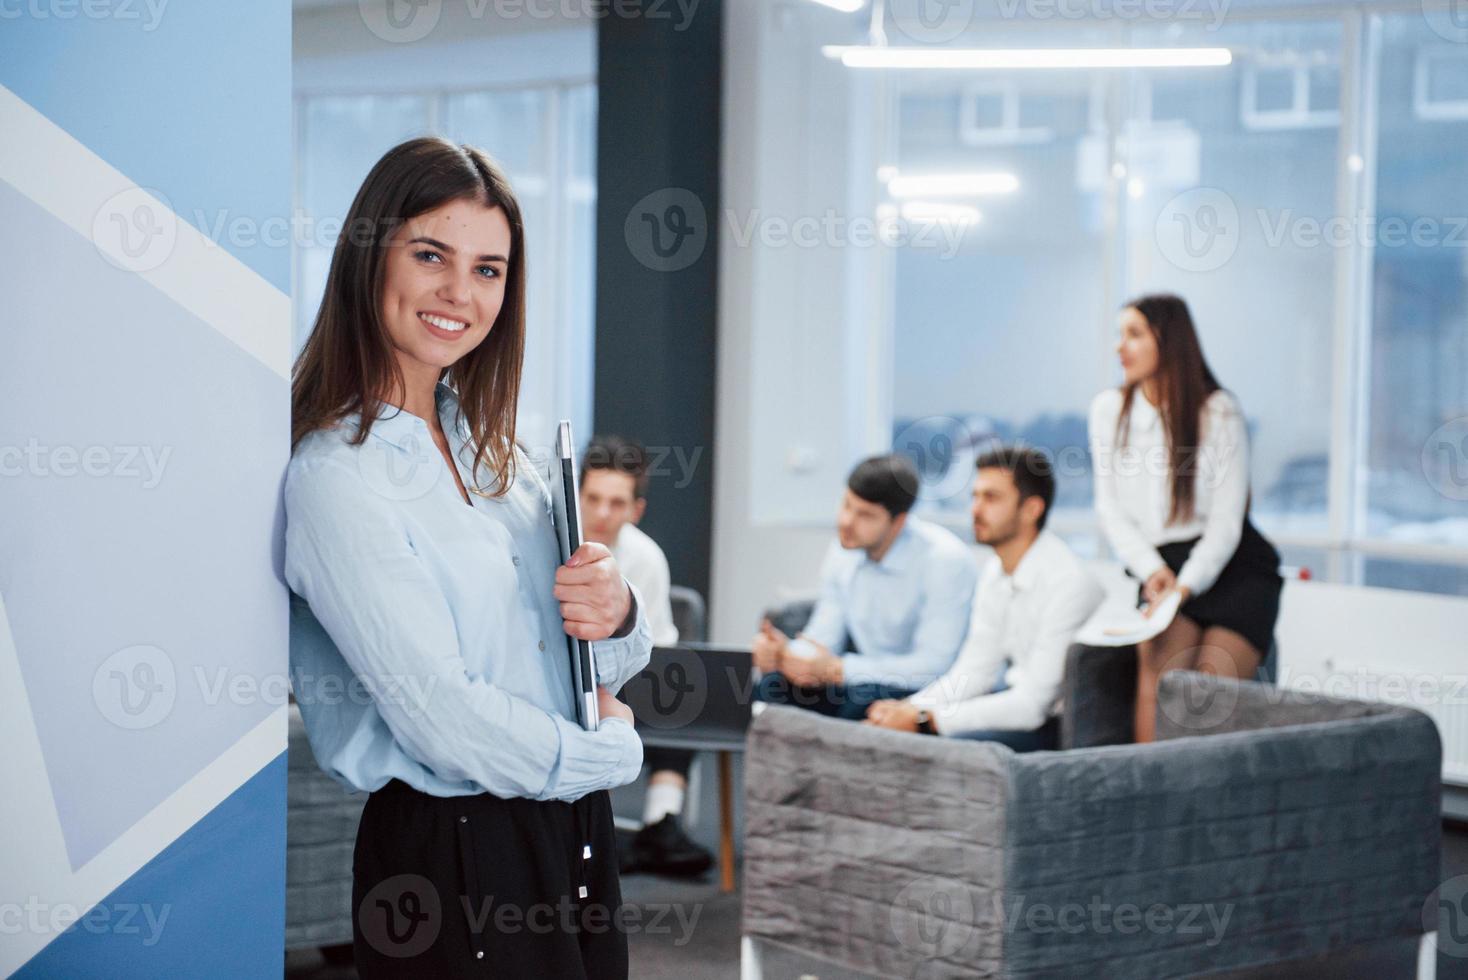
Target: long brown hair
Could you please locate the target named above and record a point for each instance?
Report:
(347, 365)
(1184, 384)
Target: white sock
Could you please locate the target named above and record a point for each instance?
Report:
(662, 799)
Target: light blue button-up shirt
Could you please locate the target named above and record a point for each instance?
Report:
(907, 614)
(426, 643)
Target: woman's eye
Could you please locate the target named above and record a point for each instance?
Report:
(488, 271)
(426, 255)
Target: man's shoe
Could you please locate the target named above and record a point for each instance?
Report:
(626, 853)
(663, 848)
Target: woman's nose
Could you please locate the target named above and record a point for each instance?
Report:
(455, 289)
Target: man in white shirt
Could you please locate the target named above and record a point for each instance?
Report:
(1032, 598)
(613, 499)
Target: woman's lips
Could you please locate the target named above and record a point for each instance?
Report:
(443, 333)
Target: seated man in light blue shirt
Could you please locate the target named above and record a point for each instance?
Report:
(896, 592)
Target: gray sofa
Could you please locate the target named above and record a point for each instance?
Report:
(1261, 827)
(320, 832)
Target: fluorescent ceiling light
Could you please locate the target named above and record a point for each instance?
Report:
(845, 6)
(1009, 58)
(961, 214)
(952, 185)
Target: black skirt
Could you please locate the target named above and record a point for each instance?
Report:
(1245, 598)
(479, 886)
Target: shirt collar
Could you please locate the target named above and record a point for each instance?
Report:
(406, 430)
(900, 553)
(1030, 564)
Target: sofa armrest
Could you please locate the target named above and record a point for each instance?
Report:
(1098, 696)
(1244, 848)
(875, 849)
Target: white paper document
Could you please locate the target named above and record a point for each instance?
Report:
(1120, 626)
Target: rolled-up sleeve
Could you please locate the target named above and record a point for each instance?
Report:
(620, 659)
(348, 555)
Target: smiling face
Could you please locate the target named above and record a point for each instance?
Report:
(443, 285)
(1137, 347)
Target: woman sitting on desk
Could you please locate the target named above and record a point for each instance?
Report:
(429, 655)
(1171, 461)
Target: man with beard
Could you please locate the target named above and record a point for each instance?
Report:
(1032, 598)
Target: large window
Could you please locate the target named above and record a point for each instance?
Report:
(1309, 200)
(544, 137)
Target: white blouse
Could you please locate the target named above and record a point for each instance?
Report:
(1134, 488)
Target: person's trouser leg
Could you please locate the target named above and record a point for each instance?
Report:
(1046, 738)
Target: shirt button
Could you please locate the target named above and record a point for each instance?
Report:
(463, 820)
(542, 644)
(515, 559)
(479, 955)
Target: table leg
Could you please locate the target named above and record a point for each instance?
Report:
(726, 824)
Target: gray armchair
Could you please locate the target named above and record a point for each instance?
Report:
(320, 832)
(1262, 826)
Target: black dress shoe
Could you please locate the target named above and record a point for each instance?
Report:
(626, 853)
(663, 848)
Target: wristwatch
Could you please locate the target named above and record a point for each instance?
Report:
(925, 722)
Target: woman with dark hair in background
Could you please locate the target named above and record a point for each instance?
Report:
(1171, 459)
(428, 650)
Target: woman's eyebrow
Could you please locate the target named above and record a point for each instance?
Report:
(450, 250)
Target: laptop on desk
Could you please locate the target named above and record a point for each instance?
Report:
(693, 696)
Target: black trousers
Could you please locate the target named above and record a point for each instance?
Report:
(478, 886)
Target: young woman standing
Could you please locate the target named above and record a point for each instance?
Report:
(428, 648)
(1171, 459)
